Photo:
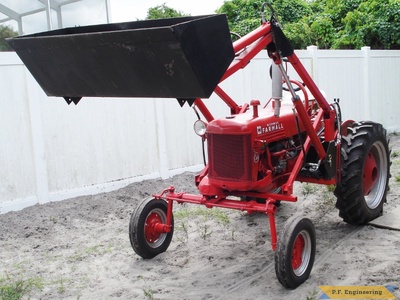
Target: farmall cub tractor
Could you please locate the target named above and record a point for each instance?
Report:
(255, 154)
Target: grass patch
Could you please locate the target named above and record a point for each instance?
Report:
(327, 199)
(216, 214)
(397, 178)
(61, 284)
(203, 219)
(395, 154)
(147, 292)
(312, 295)
(307, 189)
(15, 287)
(331, 188)
(396, 162)
(95, 250)
(183, 228)
(324, 195)
(98, 249)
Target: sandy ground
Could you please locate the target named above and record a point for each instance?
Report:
(79, 248)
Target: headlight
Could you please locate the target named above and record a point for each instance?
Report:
(200, 128)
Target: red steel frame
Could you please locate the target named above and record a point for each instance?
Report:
(246, 49)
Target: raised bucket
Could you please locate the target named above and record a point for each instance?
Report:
(166, 58)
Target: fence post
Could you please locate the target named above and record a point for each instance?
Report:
(314, 62)
(366, 82)
(163, 163)
(42, 182)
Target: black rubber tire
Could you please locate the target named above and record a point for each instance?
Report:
(140, 244)
(288, 276)
(365, 141)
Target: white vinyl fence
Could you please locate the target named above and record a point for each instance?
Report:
(51, 151)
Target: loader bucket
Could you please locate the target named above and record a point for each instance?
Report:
(166, 58)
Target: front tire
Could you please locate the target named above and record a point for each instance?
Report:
(295, 253)
(365, 173)
(145, 239)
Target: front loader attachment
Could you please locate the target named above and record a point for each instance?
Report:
(167, 58)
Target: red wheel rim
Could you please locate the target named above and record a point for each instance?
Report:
(150, 231)
(370, 173)
(297, 253)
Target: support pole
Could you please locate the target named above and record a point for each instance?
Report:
(108, 12)
(48, 14)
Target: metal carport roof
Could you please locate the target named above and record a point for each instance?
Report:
(12, 10)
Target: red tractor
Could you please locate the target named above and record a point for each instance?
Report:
(255, 154)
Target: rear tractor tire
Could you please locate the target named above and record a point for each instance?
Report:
(146, 240)
(365, 164)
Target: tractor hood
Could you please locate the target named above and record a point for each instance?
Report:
(266, 126)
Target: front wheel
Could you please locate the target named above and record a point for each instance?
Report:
(365, 164)
(146, 238)
(295, 253)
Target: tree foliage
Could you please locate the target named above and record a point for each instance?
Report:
(337, 24)
(6, 32)
(162, 12)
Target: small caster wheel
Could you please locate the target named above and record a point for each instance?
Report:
(295, 253)
(144, 234)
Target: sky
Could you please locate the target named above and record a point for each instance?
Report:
(90, 12)
(125, 10)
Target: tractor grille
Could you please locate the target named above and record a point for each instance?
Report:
(229, 157)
